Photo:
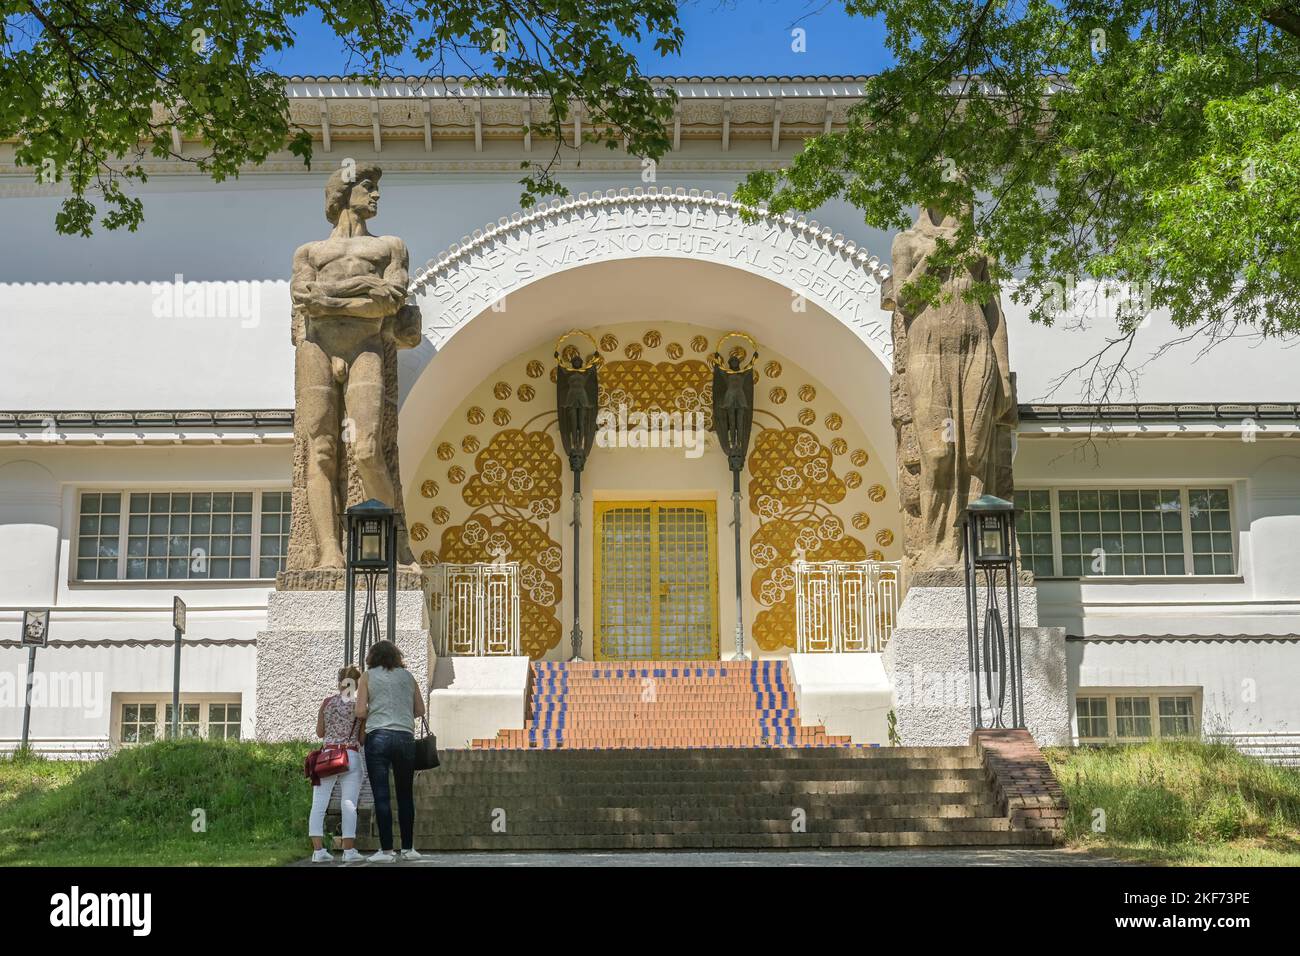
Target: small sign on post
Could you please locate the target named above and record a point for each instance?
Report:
(36, 633)
(178, 624)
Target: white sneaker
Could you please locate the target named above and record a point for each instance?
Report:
(352, 855)
(322, 856)
(411, 855)
(383, 856)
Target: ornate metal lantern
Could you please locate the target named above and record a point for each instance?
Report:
(733, 420)
(577, 399)
(989, 534)
(372, 550)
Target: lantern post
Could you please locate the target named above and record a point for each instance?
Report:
(733, 421)
(577, 400)
(990, 553)
(372, 550)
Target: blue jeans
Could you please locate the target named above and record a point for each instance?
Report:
(395, 750)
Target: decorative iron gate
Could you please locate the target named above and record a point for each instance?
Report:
(477, 609)
(845, 606)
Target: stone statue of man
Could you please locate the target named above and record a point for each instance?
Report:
(954, 402)
(350, 317)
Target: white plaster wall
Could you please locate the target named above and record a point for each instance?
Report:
(100, 672)
(1264, 478)
(1248, 687)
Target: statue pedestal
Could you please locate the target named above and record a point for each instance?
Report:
(928, 663)
(301, 650)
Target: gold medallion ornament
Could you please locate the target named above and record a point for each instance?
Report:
(474, 416)
(772, 369)
(807, 416)
(419, 532)
(535, 369)
(675, 350)
(440, 515)
(834, 422)
(455, 474)
(884, 537)
(839, 446)
(876, 492)
(501, 391)
(446, 452)
(853, 479)
(859, 456)
(608, 342)
(633, 350)
(526, 393)
(429, 489)
(807, 393)
(428, 558)
(699, 344)
(469, 444)
(652, 339)
(501, 417)
(777, 395)
(876, 556)
(861, 520)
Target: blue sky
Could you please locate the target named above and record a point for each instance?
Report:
(723, 37)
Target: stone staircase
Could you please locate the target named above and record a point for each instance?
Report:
(653, 704)
(712, 755)
(774, 798)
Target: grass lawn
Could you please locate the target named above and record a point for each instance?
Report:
(136, 808)
(1186, 804)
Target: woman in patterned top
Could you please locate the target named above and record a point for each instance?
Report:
(337, 725)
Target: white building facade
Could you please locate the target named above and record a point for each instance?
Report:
(146, 433)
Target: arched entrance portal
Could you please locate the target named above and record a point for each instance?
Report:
(480, 451)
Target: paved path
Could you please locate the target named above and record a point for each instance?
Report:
(883, 858)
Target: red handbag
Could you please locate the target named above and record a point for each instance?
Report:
(330, 760)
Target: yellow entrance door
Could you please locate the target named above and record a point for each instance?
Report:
(656, 580)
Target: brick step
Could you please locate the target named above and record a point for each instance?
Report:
(815, 761)
(828, 803)
(521, 825)
(690, 757)
(601, 818)
(741, 777)
(722, 841)
(723, 789)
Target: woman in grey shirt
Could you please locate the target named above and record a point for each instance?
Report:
(389, 701)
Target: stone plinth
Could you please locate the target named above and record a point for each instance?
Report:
(929, 666)
(474, 697)
(301, 650)
(848, 694)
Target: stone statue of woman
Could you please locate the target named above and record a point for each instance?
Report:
(955, 381)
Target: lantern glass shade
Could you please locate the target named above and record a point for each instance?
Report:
(370, 526)
(991, 519)
(372, 541)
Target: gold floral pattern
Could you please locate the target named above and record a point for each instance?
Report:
(501, 391)
(633, 350)
(884, 537)
(777, 395)
(501, 417)
(429, 489)
(652, 339)
(526, 393)
(839, 446)
(474, 416)
(469, 444)
(807, 416)
(834, 422)
(699, 344)
(859, 456)
(446, 451)
(455, 474)
(772, 369)
(516, 469)
(861, 520)
(807, 393)
(535, 369)
(876, 493)
(675, 351)
(608, 342)
(419, 531)
(440, 515)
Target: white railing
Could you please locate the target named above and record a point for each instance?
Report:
(845, 606)
(476, 609)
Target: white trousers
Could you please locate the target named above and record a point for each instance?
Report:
(350, 782)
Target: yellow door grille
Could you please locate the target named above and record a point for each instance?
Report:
(656, 580)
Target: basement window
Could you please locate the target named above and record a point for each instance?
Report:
(1132, 715)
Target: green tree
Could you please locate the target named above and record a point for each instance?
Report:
(1151, 146)
(90, 88)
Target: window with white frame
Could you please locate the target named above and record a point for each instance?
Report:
(1126, 715)
(1087, 532)
(175, 535)
(143, 718)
